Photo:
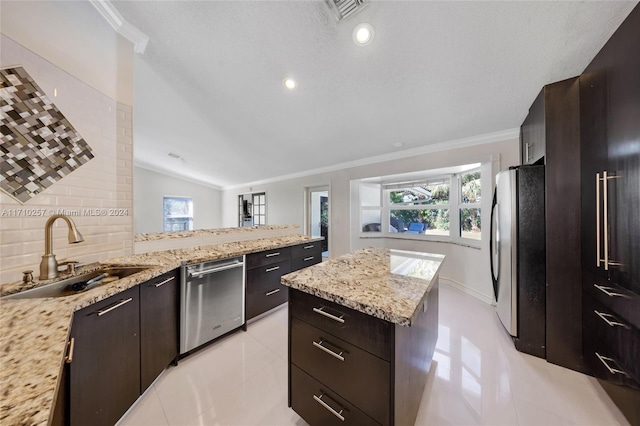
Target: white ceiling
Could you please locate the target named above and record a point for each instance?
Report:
(209, 85)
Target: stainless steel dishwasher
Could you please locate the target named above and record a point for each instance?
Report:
(211, 301)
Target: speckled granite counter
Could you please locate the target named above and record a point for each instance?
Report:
(34, 332)
(208, 232)
(384, 283)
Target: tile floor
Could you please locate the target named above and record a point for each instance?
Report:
(478, 379)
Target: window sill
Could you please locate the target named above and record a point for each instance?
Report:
(432, 239)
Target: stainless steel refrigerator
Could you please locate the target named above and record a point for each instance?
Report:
(518, 264)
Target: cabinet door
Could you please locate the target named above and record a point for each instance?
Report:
(593, 162)
(623, 139)
(158, 326)
(532, 132)
(104, 375)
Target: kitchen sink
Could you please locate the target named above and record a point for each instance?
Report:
(77, 284)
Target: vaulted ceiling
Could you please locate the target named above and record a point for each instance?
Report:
(209, 86)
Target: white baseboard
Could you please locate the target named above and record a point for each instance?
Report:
(453, 283)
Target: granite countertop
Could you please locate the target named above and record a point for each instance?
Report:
(207, 232)
(387, 284)
(34, 332)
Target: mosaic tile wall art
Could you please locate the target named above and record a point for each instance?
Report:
(39, 145)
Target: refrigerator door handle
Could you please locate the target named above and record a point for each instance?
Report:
(492, 242)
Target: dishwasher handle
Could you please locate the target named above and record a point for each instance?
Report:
(217, 269)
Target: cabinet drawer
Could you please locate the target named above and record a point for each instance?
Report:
(268, 257)
(364, 331)
(616, 341)
(267, 277)
(258, 303)
(620, 300)
(360, 377)
(308, 249)
(318, 405)
(303, 262)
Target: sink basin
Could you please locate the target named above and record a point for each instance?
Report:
(64, 288)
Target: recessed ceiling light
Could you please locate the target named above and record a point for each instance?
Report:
(289, 83)
(363, 34)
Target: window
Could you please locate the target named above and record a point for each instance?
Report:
(259, 209)
(177, 214)
(469, 205)
(252, 209)
(371, 208)
(419, 207)
(441, 207)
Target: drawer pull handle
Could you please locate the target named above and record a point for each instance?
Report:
(308, 247)
(116, 306)
(610, 323)
(273, 254)
(604, 359)
(328, 315)
(275, 268)
(165, 281)
(272, 292)
(329, 351)
(338, 414)
(69, 358)
(607, 291)
(308, 258)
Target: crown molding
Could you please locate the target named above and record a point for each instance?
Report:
(122, 27)
(427, 149)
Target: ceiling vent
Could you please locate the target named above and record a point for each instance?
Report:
(345, 8)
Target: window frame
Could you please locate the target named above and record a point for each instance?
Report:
(462, 205)
(454, 206)
(164, 213)
(256, 207)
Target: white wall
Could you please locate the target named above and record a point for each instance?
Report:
(106, 181)
(149, 189)
(464, 265)
(76, 38)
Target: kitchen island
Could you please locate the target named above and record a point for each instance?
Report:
(362, 332)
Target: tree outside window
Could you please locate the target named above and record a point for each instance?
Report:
(470, 197)
(426, 203)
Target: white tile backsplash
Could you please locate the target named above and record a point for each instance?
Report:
(105, 182)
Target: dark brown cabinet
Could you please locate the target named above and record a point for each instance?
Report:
(264, 270)
(104, 373)
(304, 255)
(610, 167)
(118, 347)
(158, 326)
(550, 135)
(532, 132)
(346, 367)
(264, 291)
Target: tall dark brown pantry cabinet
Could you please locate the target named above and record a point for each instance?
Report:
(550, 135)
(610, 167)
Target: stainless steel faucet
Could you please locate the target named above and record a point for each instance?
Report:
(49, 264)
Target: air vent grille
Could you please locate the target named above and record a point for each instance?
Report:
(345, 8)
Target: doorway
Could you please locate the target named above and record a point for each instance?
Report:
(318, 215)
